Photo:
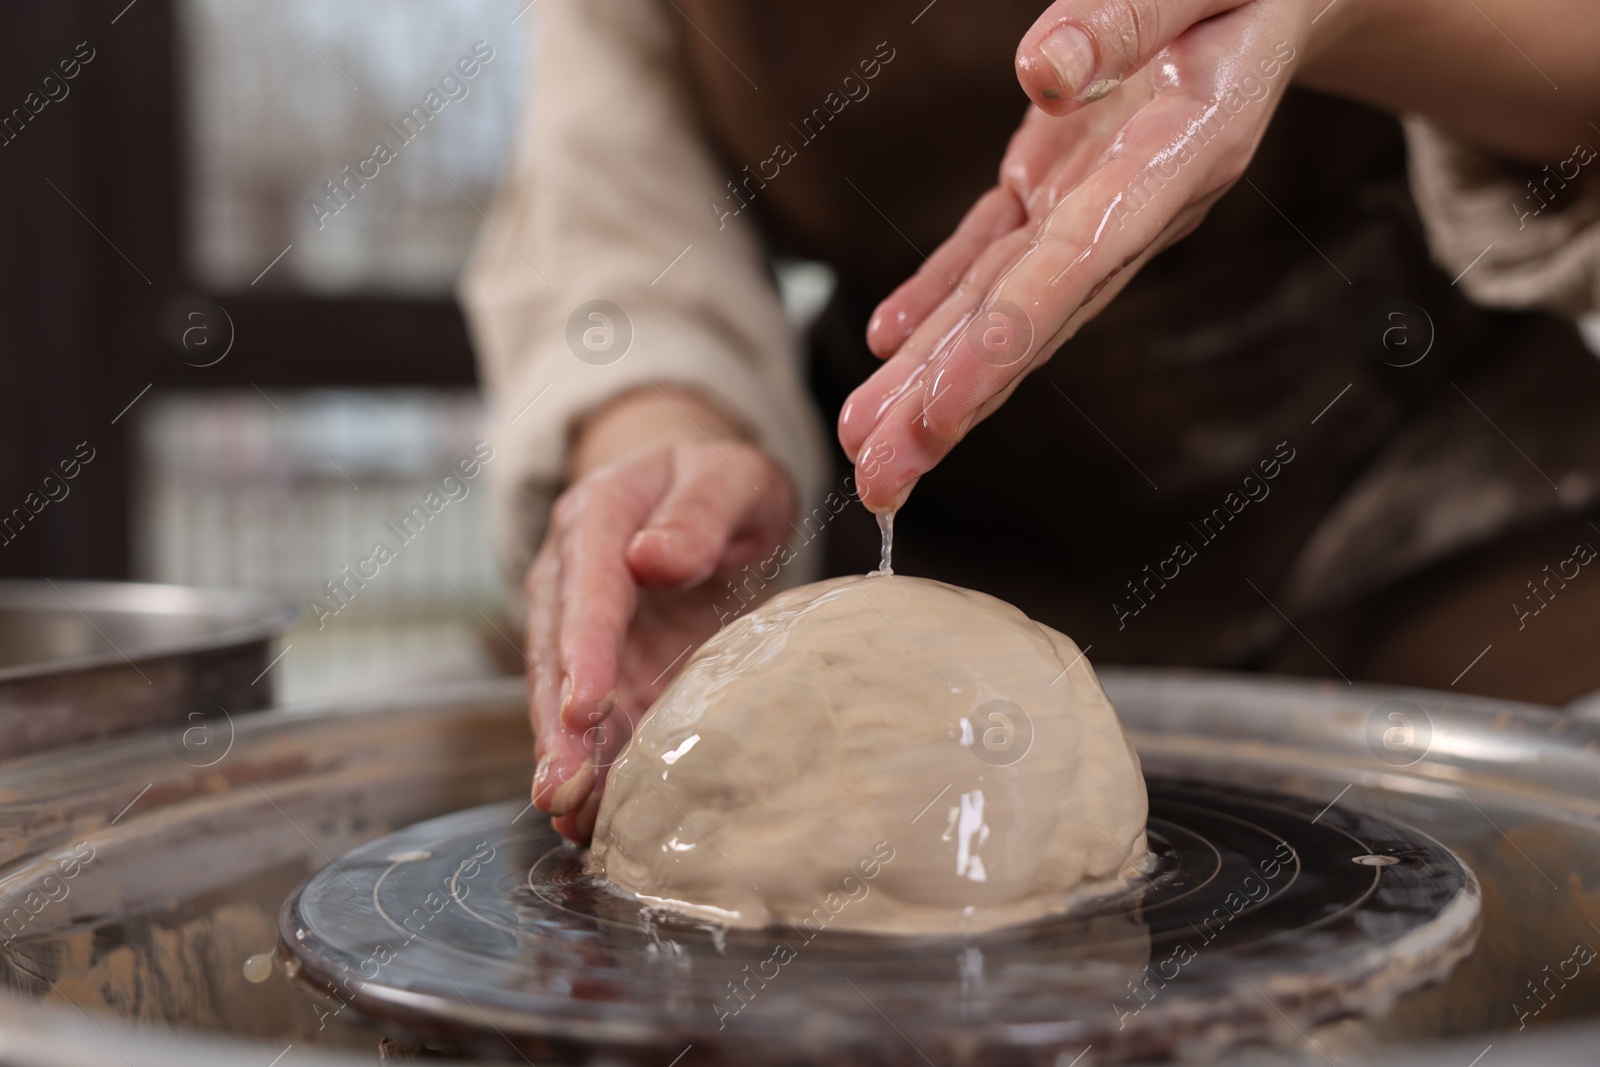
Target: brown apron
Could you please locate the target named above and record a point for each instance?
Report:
(1120, 495)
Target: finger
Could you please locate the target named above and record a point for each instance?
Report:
(609, 739)
(560, 753)
(1046, 159)
(578, 826)
(597, 589)
(910, 438)
(996, 212)
(960, 395)
(710, 496)
(1078, 51)
(1078, 260)
(1047, 151)
(868, 404)
(918, 358)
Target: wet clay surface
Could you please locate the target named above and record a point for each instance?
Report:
(908, 756)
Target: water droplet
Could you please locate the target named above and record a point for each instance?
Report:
(258, 968)
(1375, 861)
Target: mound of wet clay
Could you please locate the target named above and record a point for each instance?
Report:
(883, 754)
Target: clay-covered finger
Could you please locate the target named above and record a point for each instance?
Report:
(578, 825)
(606, 740)
(560, 754)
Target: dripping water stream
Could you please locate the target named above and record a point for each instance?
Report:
(886, 553)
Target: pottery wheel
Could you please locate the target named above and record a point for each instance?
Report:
(1261, 918)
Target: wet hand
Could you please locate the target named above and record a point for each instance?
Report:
(1144, 112)
(627, 583)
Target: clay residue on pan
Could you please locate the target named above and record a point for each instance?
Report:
(885, 754)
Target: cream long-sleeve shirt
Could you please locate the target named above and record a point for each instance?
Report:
(607, 200)
(1516, 236)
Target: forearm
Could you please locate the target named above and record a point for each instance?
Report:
(1518, 77)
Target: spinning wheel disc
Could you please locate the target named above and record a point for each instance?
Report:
(480, 929)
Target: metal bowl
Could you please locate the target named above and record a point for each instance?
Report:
(149, 887)
(81, 660)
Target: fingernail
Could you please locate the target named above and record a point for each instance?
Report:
(1099, 89)
(542, 771)
(896, 502)
(1069, 50)
(572, 792)
(675, 542)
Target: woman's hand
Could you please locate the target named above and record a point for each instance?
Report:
(631, 578)
(1144, 113)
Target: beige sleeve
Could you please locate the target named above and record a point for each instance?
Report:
(607, 199)
(1511, 245)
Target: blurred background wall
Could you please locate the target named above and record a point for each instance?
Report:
(211, 281)
(210, 276)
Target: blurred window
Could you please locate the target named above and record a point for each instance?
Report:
(282, 491)
(283, 95)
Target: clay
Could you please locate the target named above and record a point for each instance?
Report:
(885, 754)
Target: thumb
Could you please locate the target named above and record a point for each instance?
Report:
(1080, 50)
